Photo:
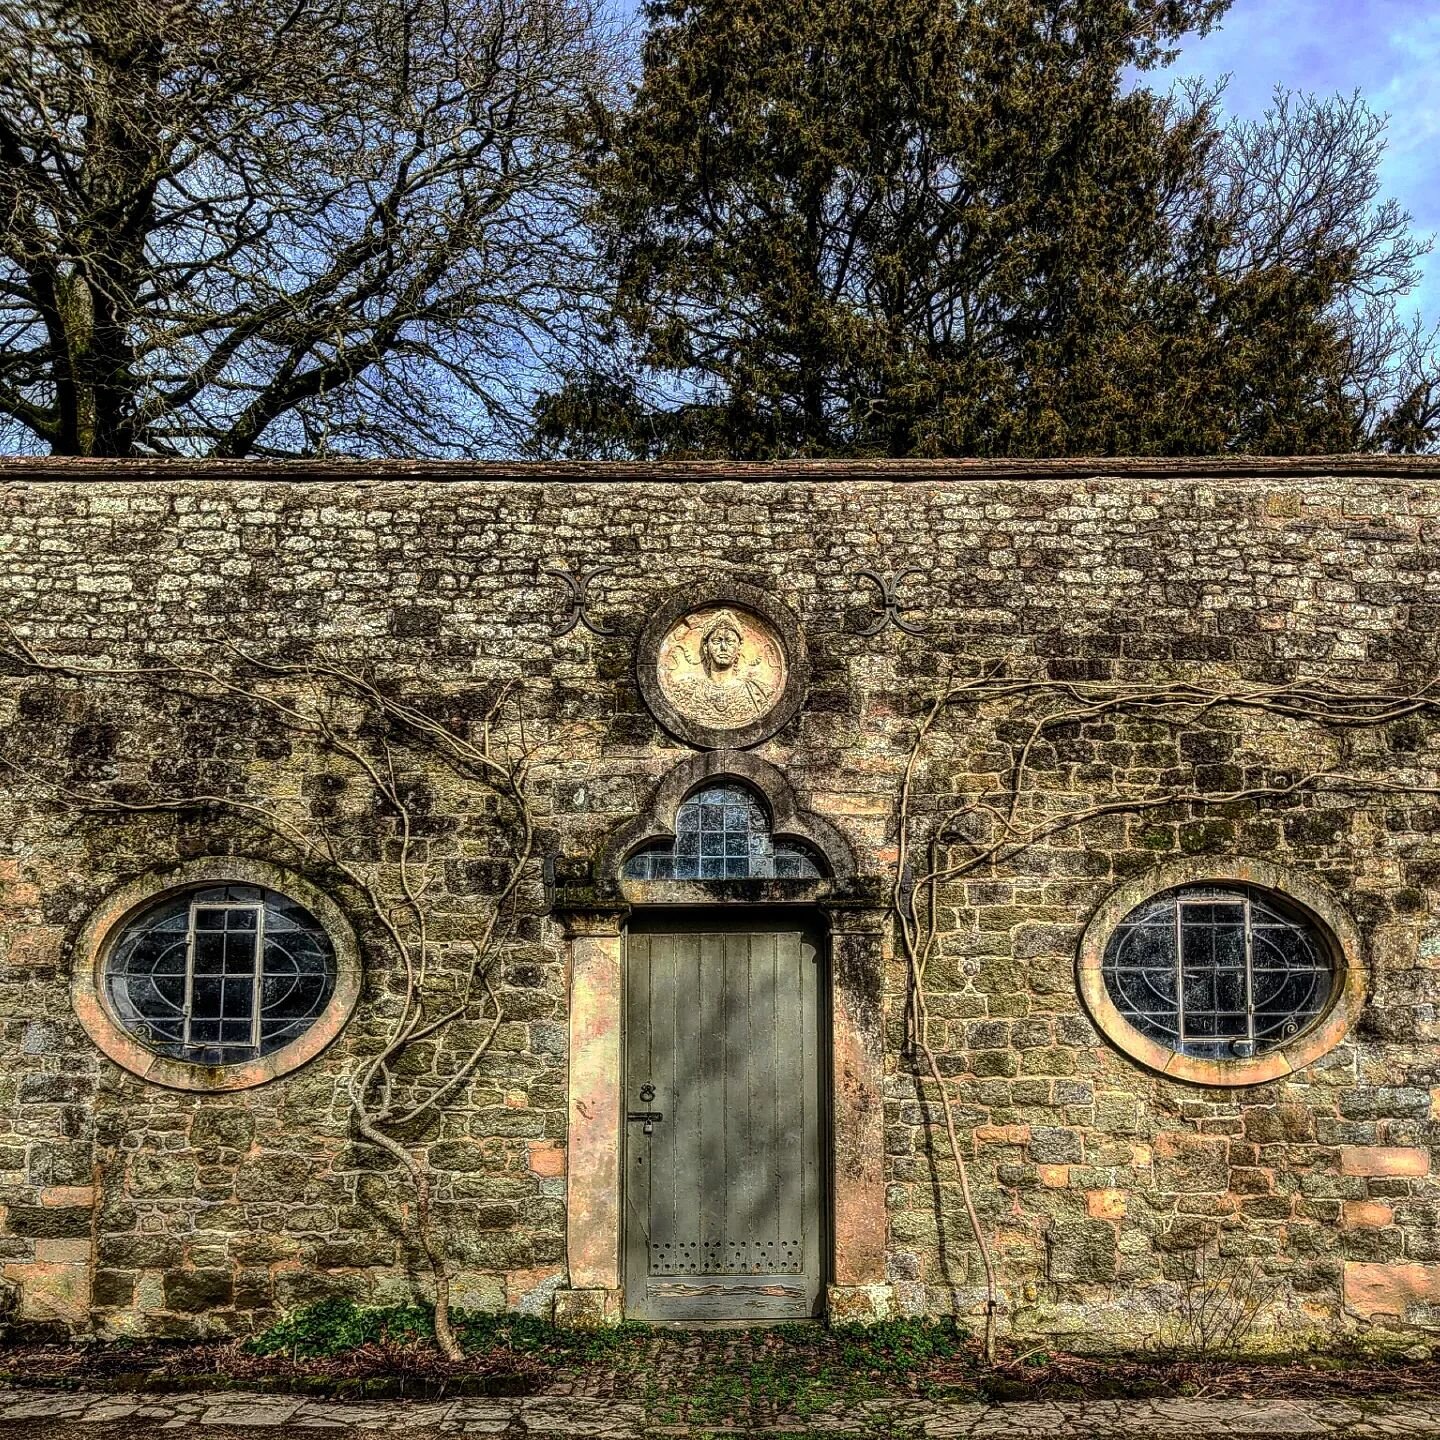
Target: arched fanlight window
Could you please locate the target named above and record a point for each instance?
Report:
(220, 975)
(1219, 972)
(723, 832)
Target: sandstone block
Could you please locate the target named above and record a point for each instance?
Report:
(63, 1252)
(545, 1157)
(532, 1291)
(1105, 1204)
(1383, 1160)
(35, 946)
(51, 1291)
(61, 1197)
(1002, 1134)
(1390, 1289)
(1367, 1214)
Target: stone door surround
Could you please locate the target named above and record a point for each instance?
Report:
(855, 919)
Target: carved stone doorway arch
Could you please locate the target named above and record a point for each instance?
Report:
(594, 911)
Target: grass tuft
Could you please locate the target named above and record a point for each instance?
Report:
(329, 1328)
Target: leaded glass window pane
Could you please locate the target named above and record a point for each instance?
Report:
(221, 975)
(224, 943)
(723, 833)
(1218, 974)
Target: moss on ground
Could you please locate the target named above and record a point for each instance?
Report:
(713, 1378)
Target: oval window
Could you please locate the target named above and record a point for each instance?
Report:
(221, 975)
(1222, 979)
(216, 975)
(1219, 973)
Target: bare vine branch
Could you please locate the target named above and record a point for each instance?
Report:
(392, 733)
(983, 832)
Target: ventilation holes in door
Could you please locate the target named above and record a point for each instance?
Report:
(727, 1257)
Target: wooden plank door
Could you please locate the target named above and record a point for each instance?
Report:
(724, 1186)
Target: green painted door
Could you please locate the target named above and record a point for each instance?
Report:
(724, 1192)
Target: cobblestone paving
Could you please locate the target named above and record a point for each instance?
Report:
(62, 1415)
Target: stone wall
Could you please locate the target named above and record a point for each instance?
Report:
(129, 1208)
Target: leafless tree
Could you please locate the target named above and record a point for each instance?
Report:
(1217, 1307)
(245, 227)
(1296, 193)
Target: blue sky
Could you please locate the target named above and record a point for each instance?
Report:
(1389, 50)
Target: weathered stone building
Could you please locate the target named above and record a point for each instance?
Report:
(594, 876)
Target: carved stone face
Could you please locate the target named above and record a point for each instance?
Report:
(721, 648)
(722, 667)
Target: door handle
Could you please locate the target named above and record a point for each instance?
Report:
(646, 1117)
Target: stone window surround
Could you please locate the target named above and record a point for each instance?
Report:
(856, 920)
(87, 989)
(1309, 1045)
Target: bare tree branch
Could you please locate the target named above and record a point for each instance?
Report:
(218, 218)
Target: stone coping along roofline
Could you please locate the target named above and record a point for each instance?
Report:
(27, 470)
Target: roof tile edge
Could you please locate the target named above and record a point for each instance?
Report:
(1159, 468)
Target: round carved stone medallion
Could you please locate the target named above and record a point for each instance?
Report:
(719, 667)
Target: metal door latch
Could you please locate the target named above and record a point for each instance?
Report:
(648, 1117)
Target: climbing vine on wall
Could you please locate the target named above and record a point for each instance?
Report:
(391, 750)
(1038, 795)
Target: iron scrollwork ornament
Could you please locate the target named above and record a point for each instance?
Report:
(577, 585)
(889, 601)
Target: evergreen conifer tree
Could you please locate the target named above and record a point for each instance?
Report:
(922, 227)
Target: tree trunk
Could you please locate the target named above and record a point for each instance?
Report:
(97, 292)
(419, 1174)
